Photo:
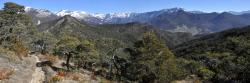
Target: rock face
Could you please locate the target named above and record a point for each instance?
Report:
(24, 71)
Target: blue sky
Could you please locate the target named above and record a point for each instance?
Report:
(109, 6)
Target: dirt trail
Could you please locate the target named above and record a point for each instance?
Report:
(27, 71)
(38, 76)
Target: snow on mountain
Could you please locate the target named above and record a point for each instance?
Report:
(172, 10)
(240, 13)
(98, 15)
(28, 9)
(118, 18)
(196, 12)
(76, 14)
(40, 12)
(99, 18)
(40, 15)
(120, 15)
(82, 14)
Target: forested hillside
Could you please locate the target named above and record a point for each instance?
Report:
(225, 55)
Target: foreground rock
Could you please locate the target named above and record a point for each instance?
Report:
(28, 70)
(24, 71)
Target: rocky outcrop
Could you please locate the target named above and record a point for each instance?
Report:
(24, 71)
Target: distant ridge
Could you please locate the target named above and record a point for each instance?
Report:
(174, 20)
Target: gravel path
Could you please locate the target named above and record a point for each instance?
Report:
(38, 76)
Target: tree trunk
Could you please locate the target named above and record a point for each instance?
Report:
(67, 61)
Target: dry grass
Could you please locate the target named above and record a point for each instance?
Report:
(20, 49)
(197, 81)
(61, 73)
(75, 76)
(55, 79)
(50, 57)
(58, 77)
(8, 54)
(5, 73)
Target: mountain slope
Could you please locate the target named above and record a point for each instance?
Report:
(40, 15)
(70, 26)
(127, 33)
(226, 54)
(131, 32)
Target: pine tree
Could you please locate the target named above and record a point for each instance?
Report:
(152, 61)
(66, 46)
(15, 28)
(13, 8)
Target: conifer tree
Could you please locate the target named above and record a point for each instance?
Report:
(13, 8)
(152, 61)
(66, 46)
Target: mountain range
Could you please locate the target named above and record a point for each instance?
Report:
(127, 33)
(174, 20)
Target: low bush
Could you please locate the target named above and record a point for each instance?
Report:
(20, 49)
(51, 58)
(55, 79)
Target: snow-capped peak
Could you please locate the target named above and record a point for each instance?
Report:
(120, 15)
(99, 15)
(28, 9)
(40, 12)
(76, 14)
(172, 10)
(239, 13)
(196, 12)
(82, 14)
